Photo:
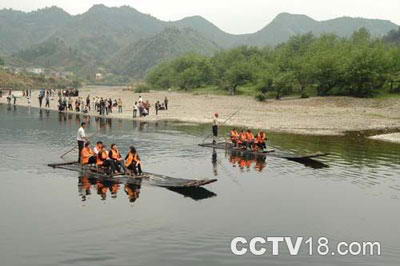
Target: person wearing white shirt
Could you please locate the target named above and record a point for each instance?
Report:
(81, 138)
(98, 147)
(135, 109)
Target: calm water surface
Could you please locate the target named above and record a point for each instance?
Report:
(53, 217)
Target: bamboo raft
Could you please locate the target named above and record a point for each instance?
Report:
(153, 179)
(306, 159)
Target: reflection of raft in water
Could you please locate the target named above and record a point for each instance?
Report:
(307, 159)
(153, 179)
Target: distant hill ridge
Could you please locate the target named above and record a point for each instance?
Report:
(105, 36)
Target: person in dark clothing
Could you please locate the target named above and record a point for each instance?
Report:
(157, 107)
(166, 103)
(88, 102)
(215, 128)
(40, 101)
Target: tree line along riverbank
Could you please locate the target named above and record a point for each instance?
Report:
(306, 65)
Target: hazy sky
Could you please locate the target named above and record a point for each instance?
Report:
(234, 16)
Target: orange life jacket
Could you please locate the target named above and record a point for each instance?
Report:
(115, 188)
(131, 158)
(249, 163)
(115, 154)
(86, 153)
(101, 157)
(260, 137)
(249, 136)
(242, 137)
(234, 135)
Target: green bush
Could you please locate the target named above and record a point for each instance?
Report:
(142, 88)
(304, 95)
(261, 97)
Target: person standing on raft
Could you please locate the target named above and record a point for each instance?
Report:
(81, 138)
(215, 128)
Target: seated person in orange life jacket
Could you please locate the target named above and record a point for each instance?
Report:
(97, 147)
(246, 139)
(104, 160)
(133, 162)
(260, 140)
(234, 135)
(250, 139)
(115, 155)
(87, 155)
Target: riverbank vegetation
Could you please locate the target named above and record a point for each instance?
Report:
(360, 66)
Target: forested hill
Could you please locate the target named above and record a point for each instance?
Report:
(172, 42)
(286, 25)
(119, 39)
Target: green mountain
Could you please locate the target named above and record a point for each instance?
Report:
(126, 41)
(138, 57)
(286, 25)
(19, 30)
(210, 31)
(54, 52)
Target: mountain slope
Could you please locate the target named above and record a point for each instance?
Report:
(286, 25)
(130, 42)
(209, 30)
(54, 52)
(19, 30)
(137, 58)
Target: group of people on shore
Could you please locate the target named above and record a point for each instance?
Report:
(111, 160)
(245, 139)
(105, 106)
(141, 108)
(68, 100)
(101, 105)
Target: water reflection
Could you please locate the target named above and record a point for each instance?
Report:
(107, 188)
(248, 161)
(132, 189)
(195, 193)
(214, 161)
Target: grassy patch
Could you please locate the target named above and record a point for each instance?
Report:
(387, 95)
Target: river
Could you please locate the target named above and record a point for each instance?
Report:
(55, 217)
